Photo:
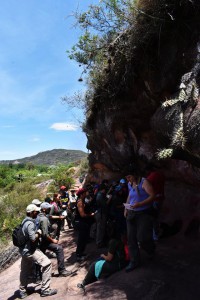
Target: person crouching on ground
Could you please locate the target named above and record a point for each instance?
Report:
(139, 218)
(83, 221)
(48, 242)
(31, 254)
(109, 263)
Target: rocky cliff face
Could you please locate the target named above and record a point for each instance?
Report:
(147, 104)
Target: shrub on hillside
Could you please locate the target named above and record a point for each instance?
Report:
(13, 208)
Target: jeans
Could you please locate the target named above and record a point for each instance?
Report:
(139, 229)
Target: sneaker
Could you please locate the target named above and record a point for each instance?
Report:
(65, 273)
(52, 255)
(49, 292)
(81, 286)
(22, 294)
(131, 266)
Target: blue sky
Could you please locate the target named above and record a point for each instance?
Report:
(35, 73)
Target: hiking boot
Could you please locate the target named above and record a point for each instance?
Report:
(131, 266)
(49, 292)
(52, 255)
(22, 294)
(65, 273)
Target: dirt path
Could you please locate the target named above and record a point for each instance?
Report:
(174, 274)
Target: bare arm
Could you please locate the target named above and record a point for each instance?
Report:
(125, 210)
(54, 241)
(149, 189)
(56, 217)
(81, 210)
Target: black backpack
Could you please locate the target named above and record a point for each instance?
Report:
(18, 237)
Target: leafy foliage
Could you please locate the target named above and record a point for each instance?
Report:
(12, 207)
(16, 194)
(100, 25)
(9, 174)
(62, 175)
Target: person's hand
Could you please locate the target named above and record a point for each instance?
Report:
(55, 241)
(62, 217)
(136, 205)
(92, 214)
(39, 231)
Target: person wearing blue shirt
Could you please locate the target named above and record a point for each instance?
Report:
(139, 219)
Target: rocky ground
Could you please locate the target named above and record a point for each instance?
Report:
(173, 274)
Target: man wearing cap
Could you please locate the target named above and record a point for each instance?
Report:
(37, 202)
(63, 191)
(31, 254)
(48, 242)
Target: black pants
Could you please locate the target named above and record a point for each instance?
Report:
(58, 250)
(83, 236)
(140, 229)
(90, 276)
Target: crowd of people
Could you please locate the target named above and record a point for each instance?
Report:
(122, 216)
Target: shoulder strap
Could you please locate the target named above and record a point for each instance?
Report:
(26, 220)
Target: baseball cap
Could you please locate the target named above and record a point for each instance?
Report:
(81, 191)
(122, 180)
(63, 187)
(45, 205)
(32, 207)
(36, 202)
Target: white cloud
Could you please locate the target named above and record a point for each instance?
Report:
(64, 126)
(35, 139)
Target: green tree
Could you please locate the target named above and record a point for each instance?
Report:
(29, 166)
(102, 26)
(62, 175)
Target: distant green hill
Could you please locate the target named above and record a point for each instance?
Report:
(50, 157)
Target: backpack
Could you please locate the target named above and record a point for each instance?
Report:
(18, 236)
